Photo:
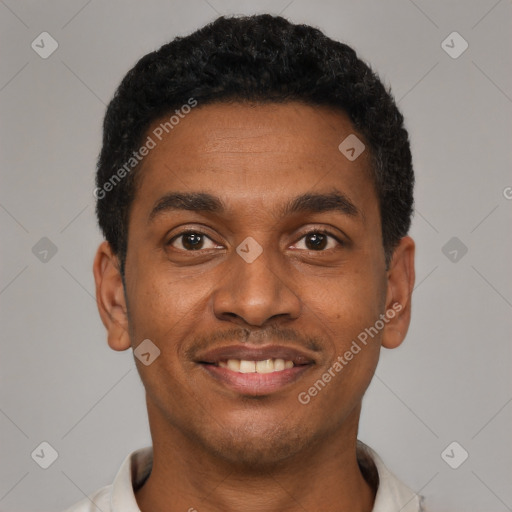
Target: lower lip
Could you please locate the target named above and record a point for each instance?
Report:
(256, 384)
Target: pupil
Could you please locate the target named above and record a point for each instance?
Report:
(316, 240)
(192, 241)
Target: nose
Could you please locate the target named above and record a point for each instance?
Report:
(256, 292)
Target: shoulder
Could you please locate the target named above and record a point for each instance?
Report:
(392, 494)
(98, 501)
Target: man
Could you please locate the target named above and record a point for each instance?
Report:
(255, 193)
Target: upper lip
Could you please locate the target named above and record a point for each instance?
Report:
(252, 353)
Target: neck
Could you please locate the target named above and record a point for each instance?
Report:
(188, 477)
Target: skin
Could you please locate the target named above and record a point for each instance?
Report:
(216, 449)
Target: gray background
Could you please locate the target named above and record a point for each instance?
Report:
(450, 381)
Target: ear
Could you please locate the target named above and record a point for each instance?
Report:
(401, 278)
(110, 297)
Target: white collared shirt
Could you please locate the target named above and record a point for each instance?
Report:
(392, 494)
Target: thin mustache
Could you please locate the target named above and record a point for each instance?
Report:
(254, 337)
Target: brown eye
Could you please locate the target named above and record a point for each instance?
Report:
(318, 241)
(191, 241)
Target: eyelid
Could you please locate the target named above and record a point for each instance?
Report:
(190, 231)
(190, 227)
(323, 231)
(327, 229)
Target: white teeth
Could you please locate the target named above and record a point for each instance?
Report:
(264, 366)
(234, 364)
(247, 366)
(279, 365)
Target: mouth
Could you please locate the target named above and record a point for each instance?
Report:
(263, 366)
(255, 371)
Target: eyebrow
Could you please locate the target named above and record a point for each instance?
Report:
(206, 203)
(319, 203)
(191, 201)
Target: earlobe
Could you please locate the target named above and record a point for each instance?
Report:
(401, 278)
(110, 297)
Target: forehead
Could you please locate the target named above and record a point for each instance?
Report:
(254, 155)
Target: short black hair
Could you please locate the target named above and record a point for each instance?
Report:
(261, 58)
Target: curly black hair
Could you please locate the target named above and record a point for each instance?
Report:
(260, 58)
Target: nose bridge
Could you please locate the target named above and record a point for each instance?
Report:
(254, 288)
(257, 268)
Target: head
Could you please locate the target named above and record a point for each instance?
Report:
(233, 214)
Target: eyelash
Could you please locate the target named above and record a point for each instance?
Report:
(198, 232)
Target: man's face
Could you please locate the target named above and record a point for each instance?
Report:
(301, 289)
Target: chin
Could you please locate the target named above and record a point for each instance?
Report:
(254, 449)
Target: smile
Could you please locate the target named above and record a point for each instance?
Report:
(255, 371)
(264, 366)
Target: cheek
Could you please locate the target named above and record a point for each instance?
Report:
(347, 302)
(165, 310)
(160, 304)
(345, 310)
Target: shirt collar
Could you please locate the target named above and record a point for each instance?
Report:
(392, 494)
(134, 470)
